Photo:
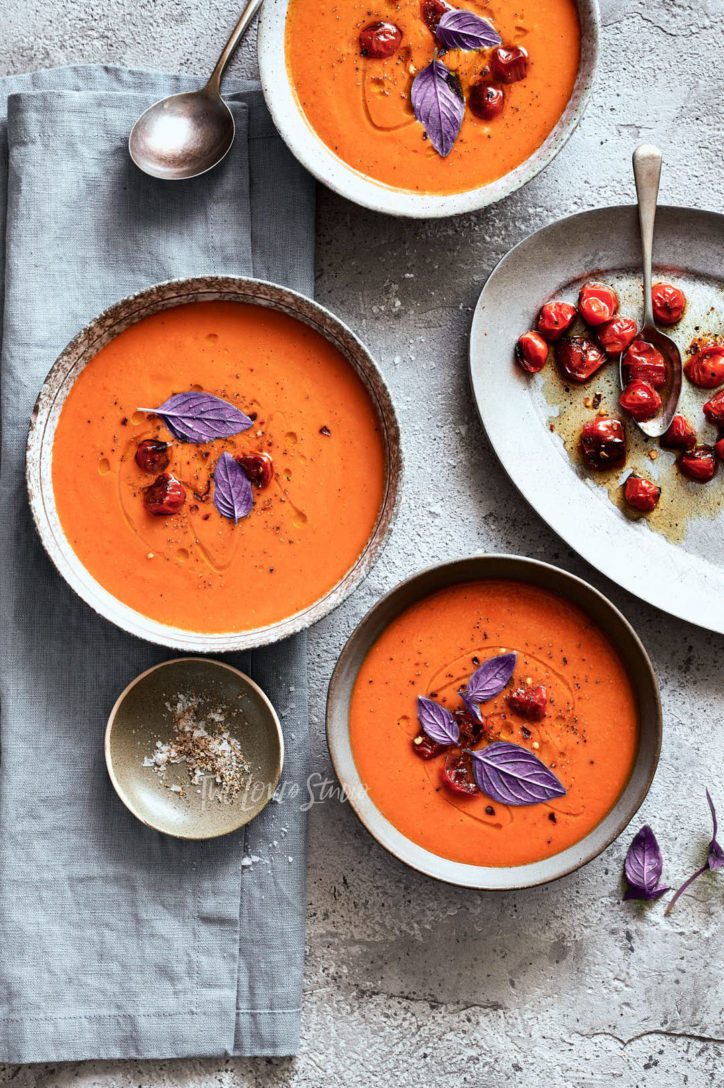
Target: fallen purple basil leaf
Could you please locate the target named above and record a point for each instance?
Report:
(200, 417)
(490, 679)
(438, 105)
(512, 775)
(233, 496)
(714, 862)
(460, 29)
(439, 724)
(643, 866)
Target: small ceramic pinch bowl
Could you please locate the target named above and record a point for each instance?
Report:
(221, 698)
(625, 642)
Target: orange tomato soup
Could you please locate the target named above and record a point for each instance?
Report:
(196, 569)
(360, 106)
(588, 737)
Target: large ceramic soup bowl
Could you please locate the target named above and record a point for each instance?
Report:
(338, 79)
(214, 463)
(495, 722)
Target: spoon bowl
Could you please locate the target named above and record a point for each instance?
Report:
(657, 426)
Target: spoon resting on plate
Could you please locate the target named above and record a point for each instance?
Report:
(647, 171)
(187, 134)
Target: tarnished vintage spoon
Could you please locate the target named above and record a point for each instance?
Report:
(187, 134)
(647, 172)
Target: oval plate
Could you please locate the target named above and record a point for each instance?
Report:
(78, 354)
(622, 636)
(682, 572)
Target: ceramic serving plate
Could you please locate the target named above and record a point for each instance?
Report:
(673, 558)
(79, 353)
(321, 161)
(620, 634)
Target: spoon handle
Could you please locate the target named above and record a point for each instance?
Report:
(647, 172)
(237, 34)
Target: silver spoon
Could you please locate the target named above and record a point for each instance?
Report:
(647, 172)
(187, 134)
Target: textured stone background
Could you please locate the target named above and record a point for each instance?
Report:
(408, 981)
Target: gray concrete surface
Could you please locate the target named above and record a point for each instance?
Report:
(409, 982)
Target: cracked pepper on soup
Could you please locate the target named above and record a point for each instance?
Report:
(493, 723)
(249, 491)
(428, 96)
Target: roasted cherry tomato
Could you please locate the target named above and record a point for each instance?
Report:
(471, 729)
(719, 447)
(425, 747)
(706, 368)
(597, 303)
(669, 303)
(603, 442)
(530, 702)
(699, 464)
(486, 100)
(457, 773)
(554, 319)
(531, 351)
(258, 467)
(640, 400)
(643, 361)
(641, 493)
(380, 40)
(509, 63)
(152, 455)
(680, 435)
(433, 11)
(615, 335)
(579, 358)
(714, 409)
(166, 495)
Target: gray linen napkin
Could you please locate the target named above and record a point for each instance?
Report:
(116, 941)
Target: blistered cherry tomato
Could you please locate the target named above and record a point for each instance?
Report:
(258, 467)
(669, 303)
(486, 100)
(719, 447)
(471, 729)
(680, 435)
(457, 773)
(425, 747)
(554, 319)
(642, 360)
(380, 40)
(706, 368)
(433, 11)
(615, 335)
(640, 400)
(641, 494)
(597, 303)
(579, 358)
(531, 351)
(152, 455)
(714, 409)
(530, 702)
(603, 442)
(699, 464)
(166, 495)
(509, 63)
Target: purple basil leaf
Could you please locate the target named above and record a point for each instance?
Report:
(715, 861)
(643, 867)
(437, 722)
(471, 706)
(490, 679)
(201, 417)
(464, 30)
(511, 775)
(233, 496)
(439, 105)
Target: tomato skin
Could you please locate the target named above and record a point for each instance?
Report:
(699, 464)
(643, 361)
(509, 63)
(714, 409)
(680, 435)
(258, 467)
(425, 747)
(615, 335)
(531, 351)
(554, 319)
(486, 100)
(640, 400)
(706, 368)
(579, 359)
(153, 455)
(529, 702)
(597, 303)
(380, 40)
(471, 730)
(641, 494)
(603, 443)
(669, 303)
(433, 11)
(719, 447)
(166, 495)
(457, 773)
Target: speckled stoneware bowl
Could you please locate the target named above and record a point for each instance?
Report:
(622, 636)
(78, 354)
(321, 161)
(144, 714)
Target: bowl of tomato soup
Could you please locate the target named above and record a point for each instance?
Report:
(214, 463)
(495, 722)
(426, 108)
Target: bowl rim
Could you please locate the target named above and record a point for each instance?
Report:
(117, 785)
(348, 182)
(489, 878)
(103, 328)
